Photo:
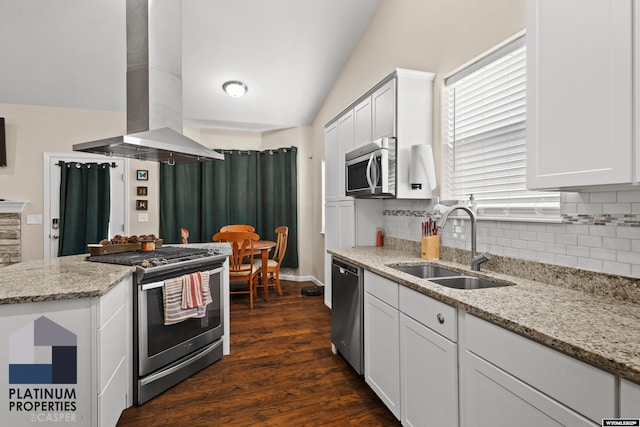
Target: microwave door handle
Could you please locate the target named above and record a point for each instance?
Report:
(371, 180)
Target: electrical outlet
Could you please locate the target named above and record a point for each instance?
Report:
(143, 217)
(34, 219)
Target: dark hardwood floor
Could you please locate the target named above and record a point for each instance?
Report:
(280, 372)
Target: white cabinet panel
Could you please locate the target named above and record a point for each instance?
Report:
(579, 93)
(111, 346)
(112, 401)
(438, 316)
(582, 387)
(331, 162)
(382, 351)
(327, 280)
(629, 399)
(383, 103)
(497, 399)
(428, 375)
(362, 122)
(382, 288)
(345, 144)
(347, 234)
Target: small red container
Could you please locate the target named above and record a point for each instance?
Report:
(379, 237)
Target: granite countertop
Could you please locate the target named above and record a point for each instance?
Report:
(599, 329)
(68, 277)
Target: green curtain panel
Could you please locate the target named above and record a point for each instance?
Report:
(84, 205)
(247, 187)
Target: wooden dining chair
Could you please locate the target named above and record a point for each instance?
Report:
(184, 235)
(273, 264)
(238, 227)
(241, 266)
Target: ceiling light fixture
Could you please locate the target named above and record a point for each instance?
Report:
(234, 88)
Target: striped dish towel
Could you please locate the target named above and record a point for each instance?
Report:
(192, 296)
(172, 298)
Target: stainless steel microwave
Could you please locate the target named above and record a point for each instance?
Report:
(370, 170)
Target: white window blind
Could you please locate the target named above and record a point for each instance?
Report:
(485, 126)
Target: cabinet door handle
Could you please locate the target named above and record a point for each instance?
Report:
(440, 318)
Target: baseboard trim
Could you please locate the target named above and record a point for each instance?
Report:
(301, 279)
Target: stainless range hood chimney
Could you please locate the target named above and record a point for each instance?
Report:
(160, 145)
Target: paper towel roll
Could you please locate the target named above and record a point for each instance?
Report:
(422, 168)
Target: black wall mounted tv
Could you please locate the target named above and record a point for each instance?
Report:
(3, 144)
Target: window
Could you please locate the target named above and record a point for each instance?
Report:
(484, 133)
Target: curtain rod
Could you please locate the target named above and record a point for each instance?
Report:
(112, 164)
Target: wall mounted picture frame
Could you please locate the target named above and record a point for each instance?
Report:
(142, 175)
(142, 191)
(142, 205)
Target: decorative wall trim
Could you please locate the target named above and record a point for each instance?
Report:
(401, 212)
(626, 220)
(10, 206)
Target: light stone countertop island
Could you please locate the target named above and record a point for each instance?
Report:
(592, 317)
(66, 338)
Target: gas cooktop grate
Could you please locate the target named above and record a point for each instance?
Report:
(165, 255)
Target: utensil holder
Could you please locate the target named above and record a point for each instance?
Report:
(431, 247)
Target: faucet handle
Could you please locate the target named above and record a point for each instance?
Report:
(478, 260)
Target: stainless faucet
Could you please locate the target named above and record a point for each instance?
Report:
(476, 259)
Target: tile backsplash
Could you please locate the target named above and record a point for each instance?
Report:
(597, 231)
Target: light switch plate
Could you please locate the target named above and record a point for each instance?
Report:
(143, 217)
(34, 219)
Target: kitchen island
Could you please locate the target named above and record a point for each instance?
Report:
(66, 325)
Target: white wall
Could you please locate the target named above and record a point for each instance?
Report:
(429, 35)
(31, 131)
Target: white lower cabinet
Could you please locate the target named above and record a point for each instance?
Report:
(382, 340)
(113, 353)
(429, 376)
(434, 365)
(495, 398)
(511, 380)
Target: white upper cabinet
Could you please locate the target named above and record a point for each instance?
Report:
(580, 93)
(345, 144)
(332, 162)
(362, 122)
(400, 107)
(383, 103)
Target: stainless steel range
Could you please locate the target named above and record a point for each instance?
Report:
(165, 354)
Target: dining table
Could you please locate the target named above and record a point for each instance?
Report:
(264, 246)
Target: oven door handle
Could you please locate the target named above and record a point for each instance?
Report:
(154, 285)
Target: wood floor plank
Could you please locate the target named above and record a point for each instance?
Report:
(280, 372)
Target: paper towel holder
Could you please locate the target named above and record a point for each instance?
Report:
(421, 167)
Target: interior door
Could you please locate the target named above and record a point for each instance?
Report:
(118, 215)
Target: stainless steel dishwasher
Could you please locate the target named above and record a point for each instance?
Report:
(347, 312)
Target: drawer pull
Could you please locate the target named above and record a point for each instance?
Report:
(440, 318)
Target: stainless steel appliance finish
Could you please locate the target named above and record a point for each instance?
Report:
(160, 145)
(347, 312)
(370, 170)
(167, 354)
(164, 355)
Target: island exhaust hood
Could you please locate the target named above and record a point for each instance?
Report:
(160, 145)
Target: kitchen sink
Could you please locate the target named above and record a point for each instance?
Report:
(425, 271)
(466, 282)
(448, 278)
